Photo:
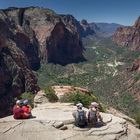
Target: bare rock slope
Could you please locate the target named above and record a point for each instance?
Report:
(42, 127)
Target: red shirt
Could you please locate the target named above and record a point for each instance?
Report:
(26, 109)
(17, 112)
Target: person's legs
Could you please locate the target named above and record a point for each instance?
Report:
(93, 123)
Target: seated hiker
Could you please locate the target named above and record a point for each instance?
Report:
(93, 115)
(80, 116)
(26, 109)
(17, 110)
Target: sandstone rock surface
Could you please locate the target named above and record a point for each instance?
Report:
(62, 90)
(41, 128)
(129, 36)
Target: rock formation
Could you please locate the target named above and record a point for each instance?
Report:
(28, 37)
(87, 28)
(54, 121)
(16, 76)
(63, 47)
(43, 35)
(62, 90)
(129, 36)
(135, 66)
(51, 115)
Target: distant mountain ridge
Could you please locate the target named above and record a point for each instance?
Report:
(98, 30)
(108, 28)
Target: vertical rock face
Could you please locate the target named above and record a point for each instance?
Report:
(28, 37)
(63, 45)
(135, 66)
(88, 29)
(34, 26)
(129, 36)
(24, 37)
(15, 75)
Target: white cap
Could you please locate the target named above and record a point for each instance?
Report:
(79, 105)
(94, 104)
(18, 102)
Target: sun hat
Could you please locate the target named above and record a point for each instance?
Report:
(94, 104)
(79, 105)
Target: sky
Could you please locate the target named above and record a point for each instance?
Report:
(111, 11)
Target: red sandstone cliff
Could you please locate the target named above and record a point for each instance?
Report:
(129, 36)
(29, 37)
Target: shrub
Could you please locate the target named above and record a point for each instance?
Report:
(76, 97)
(29, 96)
(50, 94)
(137, 118)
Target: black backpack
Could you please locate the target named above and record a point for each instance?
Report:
(81, 119)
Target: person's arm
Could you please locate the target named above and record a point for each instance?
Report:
(74, 114)
(30, 108)
(99, 116)
(87, 114)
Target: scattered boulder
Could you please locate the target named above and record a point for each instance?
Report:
(64, 127)
(58, 124)
(40, 98)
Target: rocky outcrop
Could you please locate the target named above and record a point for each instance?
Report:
(33, 36)
(24, 38)
(62, 90)
(84, 28)
(43, 35)
(16, 62)
(135, 66)
(16, 75)
(51, 115)
(87, 28)
(129, 36)
(40, 98)
(63, 47)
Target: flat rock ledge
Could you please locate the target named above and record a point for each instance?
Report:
(48, 115)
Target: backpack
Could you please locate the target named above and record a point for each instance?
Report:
(81, 119)
(92, 117)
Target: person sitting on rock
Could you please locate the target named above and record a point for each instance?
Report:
(26, 109)
(17, 110)
(93, 115)
(80, 116)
